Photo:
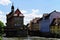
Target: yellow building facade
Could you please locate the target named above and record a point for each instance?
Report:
(55, 26)
(34, 24)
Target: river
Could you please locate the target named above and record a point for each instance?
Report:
(29, 38)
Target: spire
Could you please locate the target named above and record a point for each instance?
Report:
(12, 8)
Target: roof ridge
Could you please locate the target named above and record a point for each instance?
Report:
(18, 11)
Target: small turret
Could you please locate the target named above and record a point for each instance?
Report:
(12, 8)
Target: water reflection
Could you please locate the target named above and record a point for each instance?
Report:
(30, 38)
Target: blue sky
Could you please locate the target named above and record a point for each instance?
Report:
(30, 8)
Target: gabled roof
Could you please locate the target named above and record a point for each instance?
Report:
(10, 13)
(15, 13)
(18, 11)
(47, 17)
(50, 14)
(58, 13)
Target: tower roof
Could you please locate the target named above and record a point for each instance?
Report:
(12, 7)
(17, 12)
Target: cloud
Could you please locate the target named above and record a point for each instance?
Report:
(23, 11)
(29, 16)
(2, 17)
(5, 2)
(1, 12)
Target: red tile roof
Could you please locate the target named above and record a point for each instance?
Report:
(18, 11)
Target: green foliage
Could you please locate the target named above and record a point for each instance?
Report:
(1, 24)
(1, 28)
(0, 38)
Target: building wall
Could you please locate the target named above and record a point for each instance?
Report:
(18, 21)
(35, 26)
(55, 29)
(44, 25)
(10, 22)
(15, 21)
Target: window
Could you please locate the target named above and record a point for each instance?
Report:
(17, 24)
(18, 21)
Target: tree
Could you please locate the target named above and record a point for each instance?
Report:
(1, 24)
(1, 27)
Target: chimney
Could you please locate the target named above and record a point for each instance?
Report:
(44, 15)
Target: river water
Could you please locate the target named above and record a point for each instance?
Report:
(29, 38)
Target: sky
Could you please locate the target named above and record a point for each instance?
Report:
(29, 8)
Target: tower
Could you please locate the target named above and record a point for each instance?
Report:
(15, 23)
